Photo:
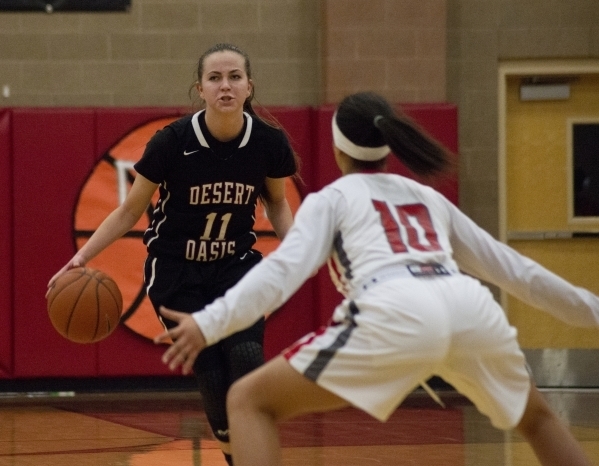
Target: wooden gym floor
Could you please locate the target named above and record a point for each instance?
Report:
(155, 428)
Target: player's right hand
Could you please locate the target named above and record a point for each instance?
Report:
(76, 261)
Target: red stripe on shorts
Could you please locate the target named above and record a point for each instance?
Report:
(306, 340)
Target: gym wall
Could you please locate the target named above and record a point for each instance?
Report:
(47, 156)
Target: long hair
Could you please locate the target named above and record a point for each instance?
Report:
(368, 120)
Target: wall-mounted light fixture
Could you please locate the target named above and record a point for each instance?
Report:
(545, 88)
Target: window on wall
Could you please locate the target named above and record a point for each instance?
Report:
(50, 6)
(585, 168)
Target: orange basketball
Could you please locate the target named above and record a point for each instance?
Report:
(84, 305)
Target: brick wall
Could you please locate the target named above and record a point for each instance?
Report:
(304, 52)
(395, 47)
(147, 56)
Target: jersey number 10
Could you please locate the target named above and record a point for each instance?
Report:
(410, 216)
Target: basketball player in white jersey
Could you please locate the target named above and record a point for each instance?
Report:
(397, 249)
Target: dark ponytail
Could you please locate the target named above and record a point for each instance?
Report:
(368, 120)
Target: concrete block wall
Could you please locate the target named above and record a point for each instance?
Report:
(304, 52)
(147, 56)
(395, 47)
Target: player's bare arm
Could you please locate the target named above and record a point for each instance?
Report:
(277, 207)
(118, 222)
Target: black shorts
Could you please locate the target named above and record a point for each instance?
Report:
(189, 286)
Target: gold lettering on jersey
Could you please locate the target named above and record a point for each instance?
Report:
(206, 251)
(228, 189)
(194, 193)
(221, 193)
(217, 193)
(239, 191)
(213, 243)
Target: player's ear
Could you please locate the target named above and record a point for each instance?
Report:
(342, 159)
(250, 87)
(199, 88)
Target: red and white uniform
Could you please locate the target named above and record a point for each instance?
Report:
(396, 248)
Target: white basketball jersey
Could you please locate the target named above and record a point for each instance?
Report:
(368, 224)
(384, 221)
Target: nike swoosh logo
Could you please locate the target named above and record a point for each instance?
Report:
(190, 152)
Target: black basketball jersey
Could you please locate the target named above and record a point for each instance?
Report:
(209, 189)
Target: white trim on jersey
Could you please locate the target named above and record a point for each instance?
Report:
(196, 128)
(248, 130)
(159, 224)
(150, 281)
(204, 143)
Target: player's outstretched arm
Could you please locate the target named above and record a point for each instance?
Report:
(482, 256)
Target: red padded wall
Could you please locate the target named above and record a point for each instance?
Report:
(297, 317)
(441, 122)
(6, 256)
(52, 152)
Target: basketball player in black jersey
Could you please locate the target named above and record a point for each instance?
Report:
(210, 169)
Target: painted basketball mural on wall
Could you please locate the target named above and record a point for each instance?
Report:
(105, 188)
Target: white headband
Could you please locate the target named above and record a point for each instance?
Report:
(368, 154)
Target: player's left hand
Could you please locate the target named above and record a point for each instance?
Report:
(188, 341)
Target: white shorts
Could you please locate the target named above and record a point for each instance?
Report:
(394, 336)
